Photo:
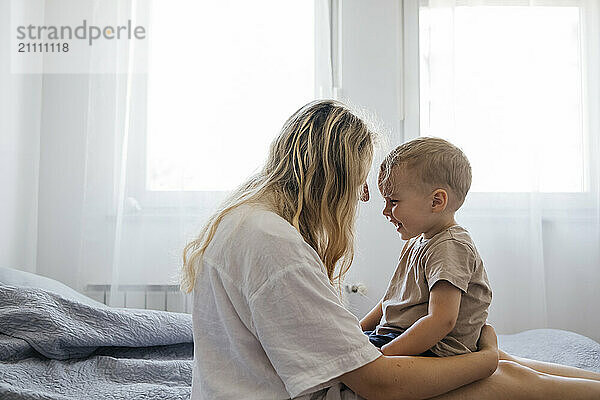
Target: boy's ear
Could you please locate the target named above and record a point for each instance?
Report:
(439, 200)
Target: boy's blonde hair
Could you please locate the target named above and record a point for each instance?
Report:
(433, 162)
(313, 178)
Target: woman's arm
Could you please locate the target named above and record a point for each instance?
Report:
(406, 377)
(371, 320)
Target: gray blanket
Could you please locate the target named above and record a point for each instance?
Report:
(52, 347)
(56, 348)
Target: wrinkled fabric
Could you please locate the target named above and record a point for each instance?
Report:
(57, 348)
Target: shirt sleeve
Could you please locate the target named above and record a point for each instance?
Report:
(308, 336)
(450, 261)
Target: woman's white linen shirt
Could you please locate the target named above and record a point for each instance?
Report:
(267, 322)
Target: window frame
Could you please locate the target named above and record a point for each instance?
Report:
(553, 204)
(201, 203)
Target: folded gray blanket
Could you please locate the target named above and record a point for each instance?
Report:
(56, 348)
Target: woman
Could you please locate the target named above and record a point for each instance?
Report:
(268, 323)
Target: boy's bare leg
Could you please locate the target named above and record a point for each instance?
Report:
(515, 381)
(551, 368)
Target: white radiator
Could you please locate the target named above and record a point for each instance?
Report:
(151, 297)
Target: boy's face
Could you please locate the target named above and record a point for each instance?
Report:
(407, 204)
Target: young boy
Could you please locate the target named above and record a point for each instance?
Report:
(437, 300)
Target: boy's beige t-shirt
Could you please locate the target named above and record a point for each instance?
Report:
(451, 256)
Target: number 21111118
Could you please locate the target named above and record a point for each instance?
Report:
(43, 47)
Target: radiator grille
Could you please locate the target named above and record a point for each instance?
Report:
(151, 297)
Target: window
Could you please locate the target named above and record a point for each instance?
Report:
(223, 77)
(505, 84)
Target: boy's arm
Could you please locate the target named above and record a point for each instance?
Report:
(371, 320)
(444, 304)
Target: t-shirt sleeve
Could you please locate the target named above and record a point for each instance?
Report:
(450, 261)
(308, 336)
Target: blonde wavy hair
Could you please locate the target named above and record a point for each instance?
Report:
(313, 178)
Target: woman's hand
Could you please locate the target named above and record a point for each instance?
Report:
(488, 343)
(488, 339)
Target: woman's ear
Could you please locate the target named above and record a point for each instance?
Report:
(439, 200)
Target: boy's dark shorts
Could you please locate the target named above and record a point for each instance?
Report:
(381, 340)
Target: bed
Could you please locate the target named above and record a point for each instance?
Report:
(56, 343)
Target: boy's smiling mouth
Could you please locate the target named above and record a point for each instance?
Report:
(397, 224)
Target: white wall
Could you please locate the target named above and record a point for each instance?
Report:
(372, 73)
(20, 97)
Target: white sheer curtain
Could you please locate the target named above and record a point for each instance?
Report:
(139, 140)
(127, 254)
(164, 147)
(516, 86)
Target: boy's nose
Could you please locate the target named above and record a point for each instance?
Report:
(387, 211)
